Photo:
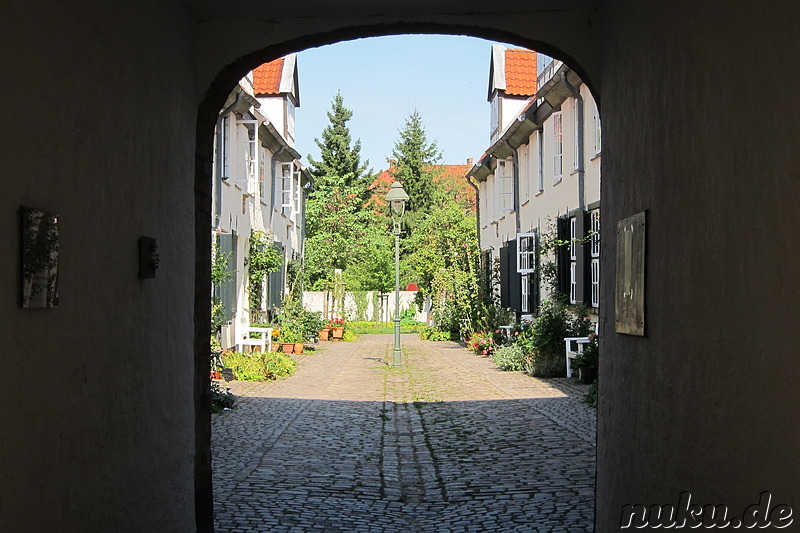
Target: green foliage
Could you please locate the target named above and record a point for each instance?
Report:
(482, 343)
(262, 259)
(221, 399)
(544, 342)
(443, 260)
(340, 164)
(297, 323)
(511, 357)
(431, 333)
(258, 366)
(590, 398)
(220, 274)
(343, 231)
(415, 160)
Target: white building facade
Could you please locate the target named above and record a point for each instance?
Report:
(259, 186)
(540, 180)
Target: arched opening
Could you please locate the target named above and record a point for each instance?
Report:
(206, 119)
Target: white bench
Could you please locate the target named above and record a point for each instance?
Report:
(574, 346)
(262, 340)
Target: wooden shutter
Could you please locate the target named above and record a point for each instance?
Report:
(514, 278)
(562, 256)
(227, 292)
(275, 281)
(505, 294)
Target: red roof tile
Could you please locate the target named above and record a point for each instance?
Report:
(451, 178)
(267, 78)
(520, 72)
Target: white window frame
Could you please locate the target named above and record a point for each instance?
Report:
(573, 282)
(526, 253)
(598, 133)
(504, 182)
(558, 147)
(297, 192)
(594, 253)
(573, 245)
(540, 161)
(247, 152)
(262, 173)
(286, 189)
(225, 156)
(525, 294)
(290, 116)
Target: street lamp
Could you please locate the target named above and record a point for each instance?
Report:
(396, 198)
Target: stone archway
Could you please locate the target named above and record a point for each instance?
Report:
(206, 120)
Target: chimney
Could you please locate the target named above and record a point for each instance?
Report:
(469, 161)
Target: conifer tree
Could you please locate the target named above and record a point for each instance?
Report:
(342, 231)
(415, 166)
(340, 158)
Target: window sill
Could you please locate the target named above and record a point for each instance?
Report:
(526, 202)
(539, 193)
(556, 181)
(598, 155)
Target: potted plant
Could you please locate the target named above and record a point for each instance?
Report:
(586, 363)
(292, 341)
(336, 326)
(324, 333)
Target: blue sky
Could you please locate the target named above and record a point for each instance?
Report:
(384, 79)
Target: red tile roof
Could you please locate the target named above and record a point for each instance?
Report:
(451, 178)
(520, 72)
(267, 78)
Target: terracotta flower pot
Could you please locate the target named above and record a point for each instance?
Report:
(287, 347)
(298, 347)
(337, 333)
(275, 346)
(324, 334)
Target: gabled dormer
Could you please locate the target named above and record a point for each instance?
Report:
(275, 85)
(512, 81)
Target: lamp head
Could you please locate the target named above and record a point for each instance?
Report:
(396, 198)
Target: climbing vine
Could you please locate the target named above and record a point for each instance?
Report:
(262, 259)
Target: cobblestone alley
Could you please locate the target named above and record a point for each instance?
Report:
(444, 443)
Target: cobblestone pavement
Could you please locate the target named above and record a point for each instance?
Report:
(443, 443)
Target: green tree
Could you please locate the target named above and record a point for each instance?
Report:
(415, 165)
(340, 162)
(343, 230)
(443, 259)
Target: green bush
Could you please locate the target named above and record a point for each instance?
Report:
(511, 357)
(544, 342)
(431, 333)
(259, 367)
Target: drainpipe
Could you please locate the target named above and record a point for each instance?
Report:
(225, 112)
(477, 209)
(579, 277)
(579, 156)
(515, 185)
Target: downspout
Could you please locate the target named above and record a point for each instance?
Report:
(225, 112)
(515, 185)
(579, 156)
(477, 209)
(580, 279)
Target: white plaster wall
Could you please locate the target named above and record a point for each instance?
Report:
(98, 419)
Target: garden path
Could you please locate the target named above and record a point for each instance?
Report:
(443, 443)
